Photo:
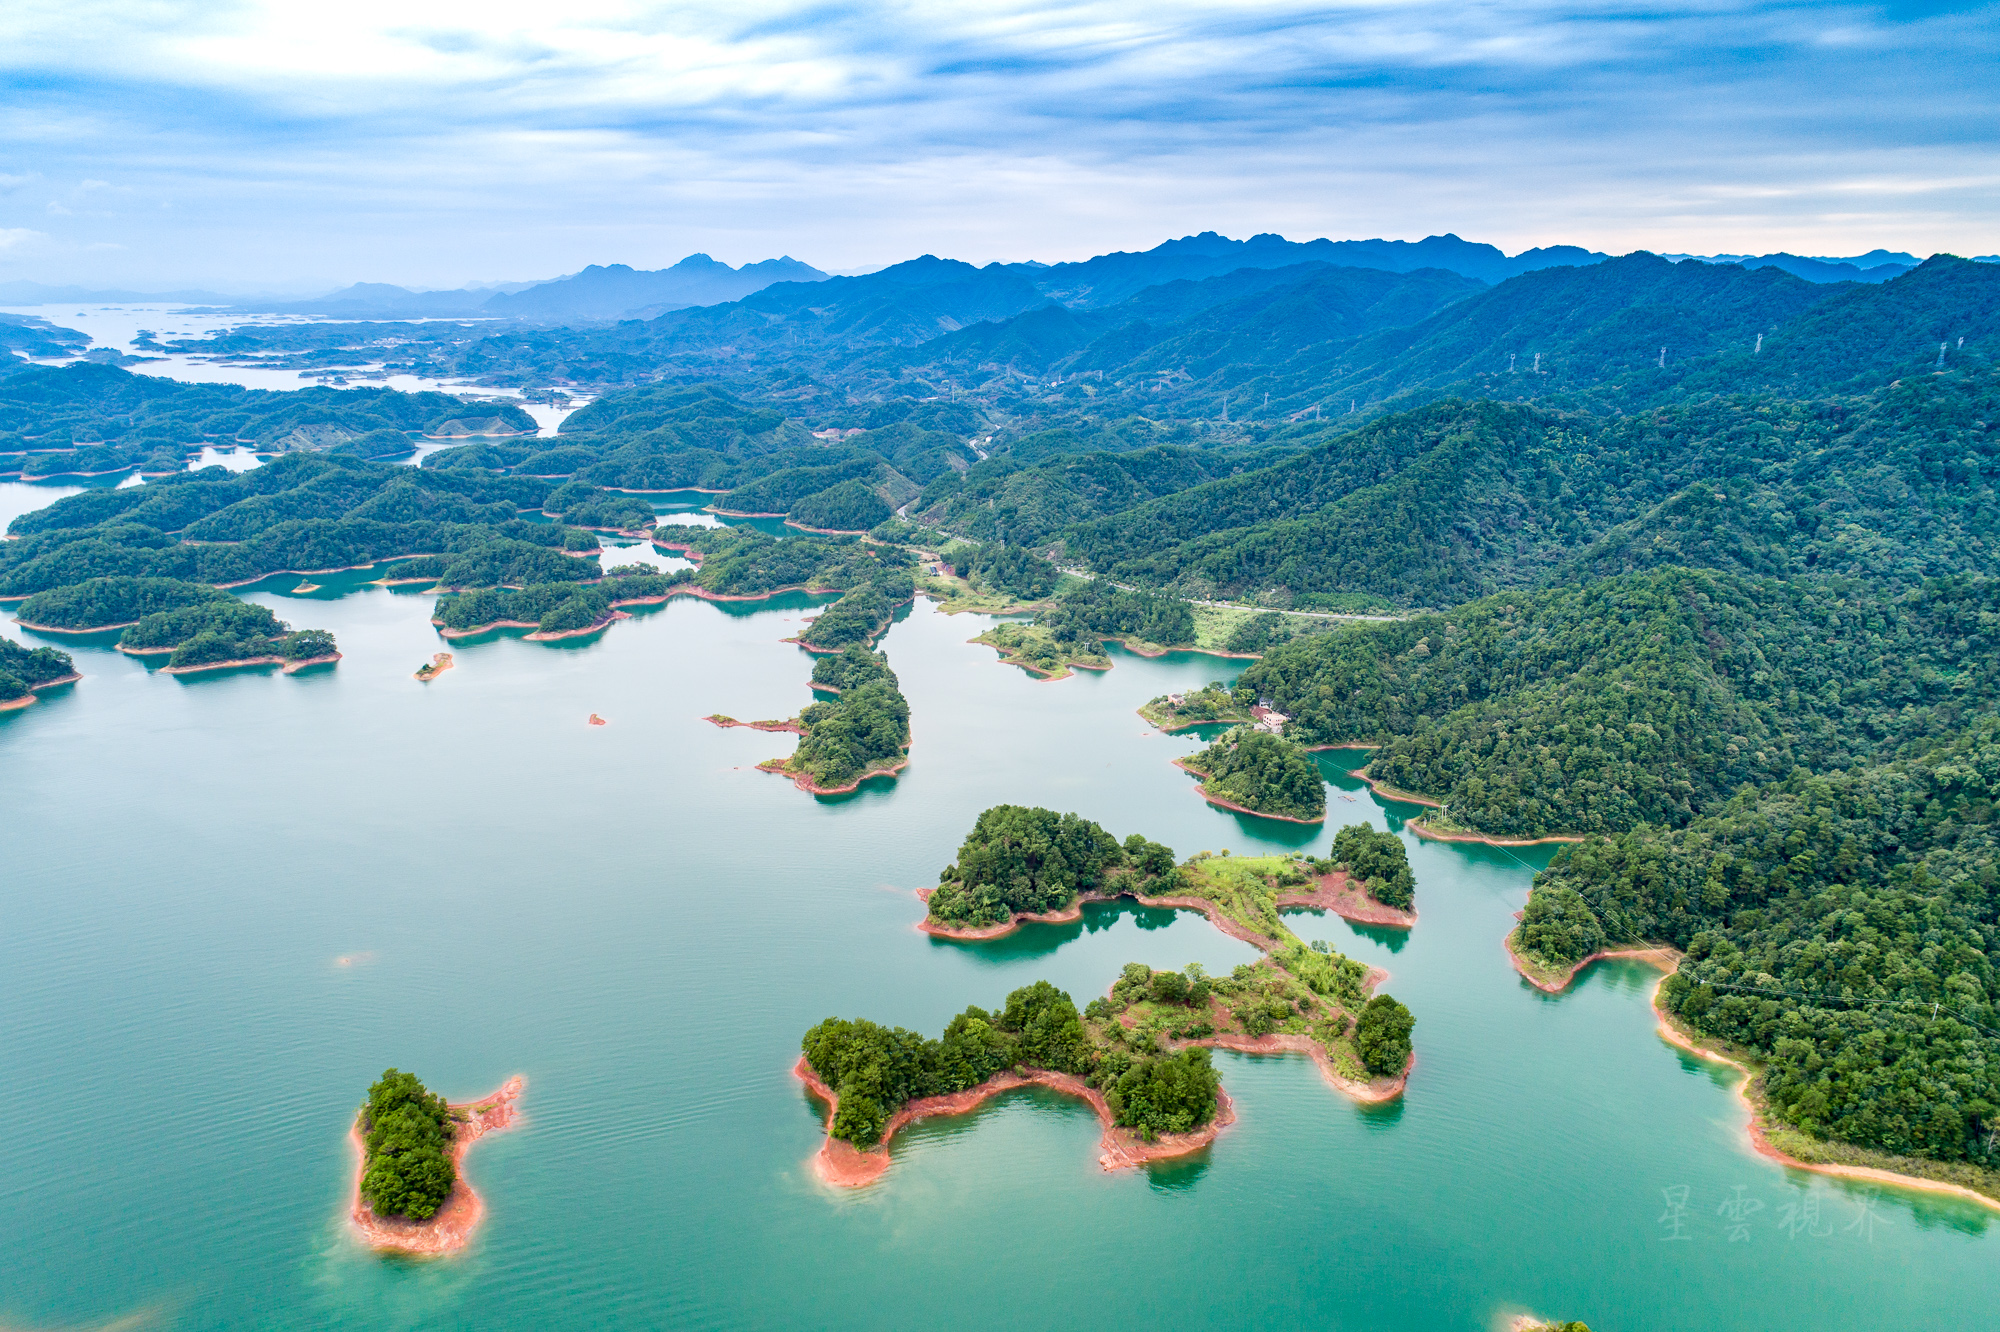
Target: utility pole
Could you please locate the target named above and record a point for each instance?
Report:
(1538, 363)
(1941, 347)
(1510, 361)
(1663, 358)
(1758, 350)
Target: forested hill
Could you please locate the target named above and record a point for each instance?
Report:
(1460, 498)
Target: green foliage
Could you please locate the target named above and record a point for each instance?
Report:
(1260, 633)
(552, 607)
(235, 620)
(849, 506)
(406, 1132)
(852, 666)
(103, 602)
(877, 1070)
(1646, 698)
(1262, 772)
(1014, 570)
(1017, 859)
(1023, 501)
(1379, 861)
(22, 669)
(1095, 609)
(1854, 913)
(1382, 1035)
(742, 561)
(863, 729)
(1148, 858)
(1559, 926)
(863, 613)
(1170, 1094)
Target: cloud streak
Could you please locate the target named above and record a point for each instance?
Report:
(441, 142)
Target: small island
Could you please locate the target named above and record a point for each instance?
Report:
(863, 731)
(25, 670)
(1213, 702)
(1041, 653)
(556, 610)
(1071, 630)
(439, 663)
(410, 1194)
(1253, 771)
(1375, 868)
(213, 635)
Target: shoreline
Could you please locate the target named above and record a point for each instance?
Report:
(440, 663)
(805, 783)
(1381, 788)
(974, 933)
(1378, 1091)
(452, 1227)
(598, 627)
(1214, 799)
(725, 722)
(1012, 657)
(1421, 829)
(844, 1165)
(1556, 982)
(291, 667)
(1758, 1129)
(58, 629)
(1337, 893)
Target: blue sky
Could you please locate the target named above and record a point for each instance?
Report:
(252, 143)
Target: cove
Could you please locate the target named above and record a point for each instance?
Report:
(230, 902)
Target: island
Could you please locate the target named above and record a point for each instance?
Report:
(219, 635)
(439, 663)
(863, 731)
(555, 610)
(1377, 863)
(1041, 653)
(875, 1080)
(1070, 631)
(1253, 771)
(112, 603)
(25, 670)
(410, 1193)
(1213, 702)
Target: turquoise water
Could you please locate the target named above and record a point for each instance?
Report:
(643, 925)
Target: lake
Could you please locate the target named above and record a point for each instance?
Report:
(230, 902)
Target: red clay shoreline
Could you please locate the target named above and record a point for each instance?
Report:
(291, 667)
(1666, 959)
(1214, 799)
(451, 1229)
(1758, 1125)
(844, 1165)
(1337, 893)
(805, 783)
(719, 719)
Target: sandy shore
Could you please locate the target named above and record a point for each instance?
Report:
(1337, 893)
(1555, 982)
(452, 1227)
(847, 1166)
(15, 704)
(61, 629)
(440, 663)
(972, 933)
(1756, 1129)
(291, 667)
(1218, 801)
(597, 627)
(1421, 829)
(718, 719)
(1374, 1092)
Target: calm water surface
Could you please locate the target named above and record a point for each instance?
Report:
(229, 903)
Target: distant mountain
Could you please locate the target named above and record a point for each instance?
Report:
(617, 291)
(1874, 266)
(379, 300)
(1111, 278)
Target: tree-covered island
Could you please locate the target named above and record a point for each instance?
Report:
(24, 670)
(410, 1193)
(1071, 630)
(1377, 862)
(211, 635)
(1257, 772)
(862, 731)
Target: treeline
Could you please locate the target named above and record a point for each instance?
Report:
(1022, 860)
(406, 1133)
(744, 562)
(23, 670)
(553, 607)
(100, 603)
(1094, 610)
(1646, 698)
(1378, 862)
(877, 1070)
(1263, 773)
(1841, 927)
(853, 666)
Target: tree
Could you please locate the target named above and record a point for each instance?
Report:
(1383, 1036)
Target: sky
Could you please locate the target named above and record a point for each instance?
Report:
(265, 145)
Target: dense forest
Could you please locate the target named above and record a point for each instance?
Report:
(1840, 927)
(406, 1131)
(864, 728)
(863, 614)
(210, 632)
(1378, 862)
(1018, 859)
(23, 670)
(103, 603)
(1013, 571)
(1263, 773)
(1642, 698)
(553, 608)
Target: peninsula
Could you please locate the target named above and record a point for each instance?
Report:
(863, 731)
(1253, 771)
(410, 1193)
